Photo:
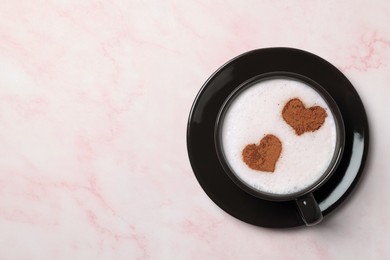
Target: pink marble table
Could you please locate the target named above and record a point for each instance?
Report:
(94, 100)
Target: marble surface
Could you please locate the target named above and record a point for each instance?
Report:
(94, 100)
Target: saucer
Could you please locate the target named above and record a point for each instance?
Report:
(203, 156)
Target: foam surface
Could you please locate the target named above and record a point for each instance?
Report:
(256, 112)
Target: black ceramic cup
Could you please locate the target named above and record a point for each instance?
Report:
(304, 199)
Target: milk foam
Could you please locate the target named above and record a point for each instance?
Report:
(256, 112)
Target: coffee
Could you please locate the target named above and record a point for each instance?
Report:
(264, 114)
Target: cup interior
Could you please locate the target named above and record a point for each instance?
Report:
(340, 136)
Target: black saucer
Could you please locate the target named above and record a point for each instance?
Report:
(200, 135)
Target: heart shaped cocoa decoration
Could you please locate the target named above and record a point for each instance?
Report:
(263, 157)
(303, 119)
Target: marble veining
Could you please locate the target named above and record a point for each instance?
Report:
(94, 101)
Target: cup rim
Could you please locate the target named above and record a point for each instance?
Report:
(340, 129)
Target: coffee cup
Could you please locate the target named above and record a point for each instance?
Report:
(280, 136)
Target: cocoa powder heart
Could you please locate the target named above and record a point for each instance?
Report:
(303, 119)
(263, 157)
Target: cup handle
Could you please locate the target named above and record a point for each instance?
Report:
(309, 210)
